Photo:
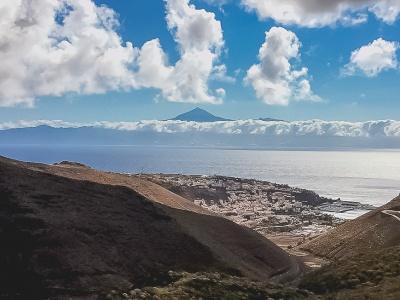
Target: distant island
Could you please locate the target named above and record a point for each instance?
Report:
(198, 115)
(200, 128)
(201, 115)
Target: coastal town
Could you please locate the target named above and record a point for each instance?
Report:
(287, 215)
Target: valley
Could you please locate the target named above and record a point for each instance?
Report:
(286, 215)
(72, 232)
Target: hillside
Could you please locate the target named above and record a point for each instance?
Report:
(378, 229)
(70, 230)
(365, 254)
(372, 275)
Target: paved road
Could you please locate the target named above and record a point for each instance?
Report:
(393, 213)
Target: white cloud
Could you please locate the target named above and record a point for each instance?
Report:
(388, 11)
(200, 40)
(317, 13)
(220, 74)
(54, 47)
(371, 59)
(273, 79)
(381, 128)
(221, 92)
(36, 123)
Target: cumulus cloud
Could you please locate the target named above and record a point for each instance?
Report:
(221, 92)
(54, 47)
(382, 128)
(200, 39)
(274, 79)
(317, 13)
(219, 73)
(372, 59)
(387, 10)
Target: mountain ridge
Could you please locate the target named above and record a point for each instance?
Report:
(198, 115)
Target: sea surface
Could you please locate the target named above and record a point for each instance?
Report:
(371, 177)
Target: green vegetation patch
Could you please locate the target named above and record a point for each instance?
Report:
(210, 286)
(364, 272)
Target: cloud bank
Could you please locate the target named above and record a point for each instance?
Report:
(318, 13)
(369, 129)
(274, 79)
(56, 47)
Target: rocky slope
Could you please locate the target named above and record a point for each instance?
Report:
(68, 230)
(365, 255)
(376, 230)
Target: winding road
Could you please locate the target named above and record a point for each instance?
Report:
(393, 213)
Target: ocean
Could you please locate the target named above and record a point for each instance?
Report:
(371, 177)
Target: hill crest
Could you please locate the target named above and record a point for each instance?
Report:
(71, 230)
(376, 230)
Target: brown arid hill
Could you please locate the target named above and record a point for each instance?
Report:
(374, 231)
(365, 255)
(68, 230)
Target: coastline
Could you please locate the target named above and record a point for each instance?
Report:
(289, 216)
(330, 174)
(286, 237)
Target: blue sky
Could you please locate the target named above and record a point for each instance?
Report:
(325, 51)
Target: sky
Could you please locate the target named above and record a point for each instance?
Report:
(127, 60)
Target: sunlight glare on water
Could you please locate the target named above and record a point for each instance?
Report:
(371, 177)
